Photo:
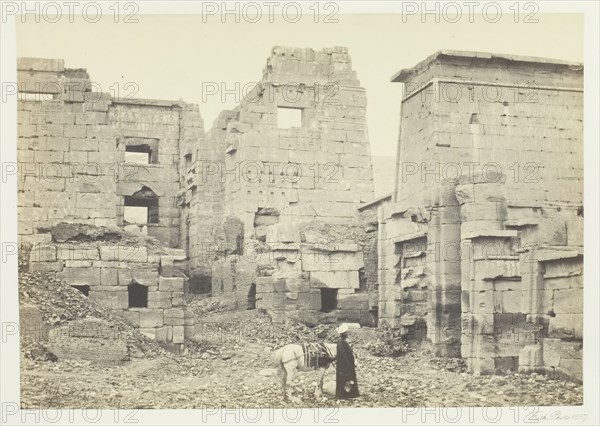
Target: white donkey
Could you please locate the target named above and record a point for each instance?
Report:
(307, 357)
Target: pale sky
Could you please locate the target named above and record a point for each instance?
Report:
(170, 56)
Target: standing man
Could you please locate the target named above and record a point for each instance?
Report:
(345, 375)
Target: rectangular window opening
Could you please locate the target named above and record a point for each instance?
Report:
(140, 211)
(188, 161)
(137, 157)
(328, 299)
(135, 214)
(141, 151)
(289, 117)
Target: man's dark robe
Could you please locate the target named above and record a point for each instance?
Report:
(345, 371)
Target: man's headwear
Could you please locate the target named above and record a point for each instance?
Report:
(342, 329)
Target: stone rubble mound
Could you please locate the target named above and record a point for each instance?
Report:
(51, 304)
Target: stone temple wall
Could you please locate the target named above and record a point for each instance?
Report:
(479, 249)
(109, 265)
(258, 203)
(292, 189)
(72, 151)
(487, 215)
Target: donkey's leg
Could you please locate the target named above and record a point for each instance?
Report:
(319, 388)
(290, 373)
(284, 382)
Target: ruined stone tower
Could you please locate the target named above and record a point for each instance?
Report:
(295, 168)
(481, 244)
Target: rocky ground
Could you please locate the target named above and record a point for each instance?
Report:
(228, 364)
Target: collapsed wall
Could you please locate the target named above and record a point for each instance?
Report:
(98, 159)
(296, 166)
(129, 273)
(89, 160)
(481, 245)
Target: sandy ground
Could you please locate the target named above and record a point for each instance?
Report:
(241, 373)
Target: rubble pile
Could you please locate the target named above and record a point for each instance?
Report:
(59, 304)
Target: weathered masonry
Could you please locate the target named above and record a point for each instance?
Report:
(481, 243)
(96, 171)
(479, 249)
(292, 165)
(132, 202)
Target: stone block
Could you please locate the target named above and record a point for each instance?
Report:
(170, 284)
(566, 326)
(78, 263)
(149, 332)
(283, 233)
(188, 331)
(334, 279)
(310, 300)
(290, 284)
(359, 302)
(287, 267)
(110, 299)
(145, 276)
(178, 334)
(552, 349)
(160, 334)
(75, 131)
(83, 144)
(124, 253)
(485, 192)
(317, 260)
(173, 317)
(509, 301)
(492, 269)
(573, 368)
(172, 266)
(177, 298)
(552, 231)
(188, 317)
(563, 268)
(481, 211)
(465, 193)
(109, 277)
(568, 301)
(46, 266)
(80, 276)
(158, 300)
(151, 318)
(105, 288)
(41, 64)
(571, 350)
(264, 300)
(43, 253)
(132, 316)
(478, 227)
(264, 285)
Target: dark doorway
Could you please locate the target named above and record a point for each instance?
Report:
(328, 299)
(252, 296)
(200, 283)
(138, 295)
(85, 289)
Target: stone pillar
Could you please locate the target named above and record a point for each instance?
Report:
(483, 211)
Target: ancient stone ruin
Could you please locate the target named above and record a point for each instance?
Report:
(481, 243)
(478, 250)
